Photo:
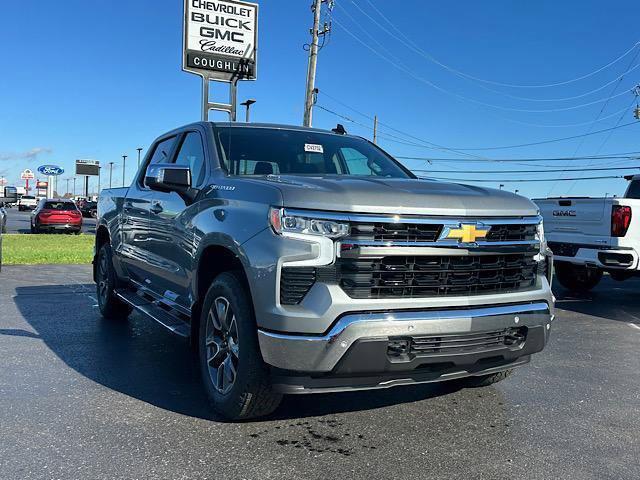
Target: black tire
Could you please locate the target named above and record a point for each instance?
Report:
(111, 307)
(249, 393)
(483, 380)
(577, 277)
(621, 275)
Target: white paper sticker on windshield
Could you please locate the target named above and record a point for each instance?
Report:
(313, 148)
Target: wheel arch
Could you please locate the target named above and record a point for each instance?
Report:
(213, 260)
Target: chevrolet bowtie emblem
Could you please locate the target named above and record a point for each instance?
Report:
(467, 233)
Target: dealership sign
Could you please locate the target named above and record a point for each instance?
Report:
(220, 39)
(51, 170)
(27, 175)
(89, 168)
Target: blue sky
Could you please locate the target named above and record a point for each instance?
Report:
(98, 79)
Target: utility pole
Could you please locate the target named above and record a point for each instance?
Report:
(139, 149)
(74, 187)
(316, 33)
(375, 129)
(110, 173)
(124, 167)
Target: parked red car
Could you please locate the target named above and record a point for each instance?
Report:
(56, 215)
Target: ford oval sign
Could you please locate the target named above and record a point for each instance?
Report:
(51, 170)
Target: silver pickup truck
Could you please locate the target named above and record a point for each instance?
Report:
(301, 261)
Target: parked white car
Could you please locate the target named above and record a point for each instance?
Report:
(27, 202)
(589, 236)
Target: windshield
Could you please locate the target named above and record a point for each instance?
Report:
(65, 206)
(266, 151)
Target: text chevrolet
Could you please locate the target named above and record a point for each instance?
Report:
(301, 261)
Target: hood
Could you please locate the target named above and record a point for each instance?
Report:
(397, 196)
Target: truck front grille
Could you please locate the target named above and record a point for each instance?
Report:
(395, 232)
(434, 276)
(512, 233)
(418, 232)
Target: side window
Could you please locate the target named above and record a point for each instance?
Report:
(357, 163)
(191, 154)
(162, 152)
(634, 189)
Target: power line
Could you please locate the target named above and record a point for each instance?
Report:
(612, 156)
(407, 71)
(573, 137)
(600, 114)
(465, 172)
(478, 79)
(460, 150)
(395, 138)
(566, 125)
(523, 180)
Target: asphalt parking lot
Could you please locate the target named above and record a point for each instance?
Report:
(20, 222)
(81, 398)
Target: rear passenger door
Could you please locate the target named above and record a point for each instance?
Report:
(171, 230)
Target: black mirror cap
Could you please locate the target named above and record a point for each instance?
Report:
(168, 177)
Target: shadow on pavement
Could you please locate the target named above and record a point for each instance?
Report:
(138, 358)
(610, 300)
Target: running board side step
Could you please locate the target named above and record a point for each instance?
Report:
(154, 311)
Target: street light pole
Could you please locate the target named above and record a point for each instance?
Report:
(248, 104)
(139, 151)
(110, 173)
(74, 187)
(124, 167)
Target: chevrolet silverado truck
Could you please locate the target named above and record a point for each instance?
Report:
(590, 236)
(299, 261)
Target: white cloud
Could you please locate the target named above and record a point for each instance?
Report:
(31, 154)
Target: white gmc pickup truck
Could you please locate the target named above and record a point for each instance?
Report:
(589, 236)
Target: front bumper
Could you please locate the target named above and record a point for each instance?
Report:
(357, 344)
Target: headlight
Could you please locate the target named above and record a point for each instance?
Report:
(540, 236)
(282, 224)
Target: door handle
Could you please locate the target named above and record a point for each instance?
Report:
(156, 207)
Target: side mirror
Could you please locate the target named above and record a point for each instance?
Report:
(167, 177)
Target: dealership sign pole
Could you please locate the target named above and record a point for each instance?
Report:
(27, 175)
(220, 44)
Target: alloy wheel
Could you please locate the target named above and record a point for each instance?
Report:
(222, 346)
(103, 279)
